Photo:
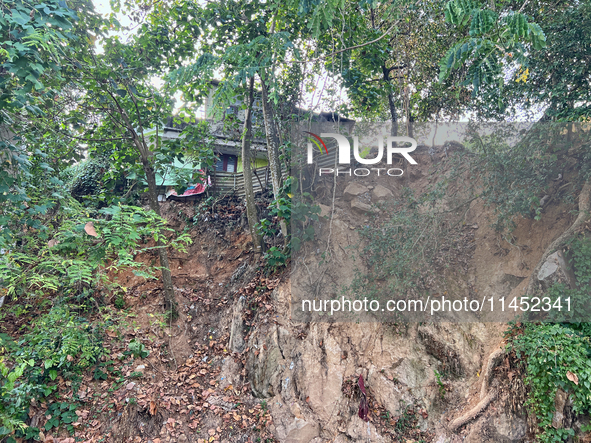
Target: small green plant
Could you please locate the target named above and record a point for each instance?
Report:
(406, 420)
(440, 384)
(557, 355)
(100, 375)
(136, 374)
(298, 211)
(276, 257)
(137, 349)
(120, 300)
(11, 409)
(103, 369)
(61, 414)
(29, 433)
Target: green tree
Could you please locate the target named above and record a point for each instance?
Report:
(491, 42)
(106, 101)
(30, 67)
(395, 75)
(553, 80)
(239, 40)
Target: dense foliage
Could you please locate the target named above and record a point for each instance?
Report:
(558, 354)
(76, 254)
(83, 104)
(60, 343)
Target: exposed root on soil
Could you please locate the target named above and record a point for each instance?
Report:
(487, 394)
(584, 215)
(474, 412)
(493, 361)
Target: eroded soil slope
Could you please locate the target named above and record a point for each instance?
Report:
(235, 367)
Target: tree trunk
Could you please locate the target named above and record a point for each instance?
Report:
(169, 299)
(408, 115)
(251, 209)
(273, 150)
(394, 129)
(170, 305)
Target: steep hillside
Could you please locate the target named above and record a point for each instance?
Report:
(237, 366)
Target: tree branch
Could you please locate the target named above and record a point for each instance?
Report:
(93, 139)
(352, 47)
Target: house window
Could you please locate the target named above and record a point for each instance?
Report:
(226, 163)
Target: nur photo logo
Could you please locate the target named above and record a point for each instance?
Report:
(393, 146)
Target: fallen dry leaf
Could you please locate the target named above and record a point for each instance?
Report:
(153, 407)
(572, 377)
(89, 228)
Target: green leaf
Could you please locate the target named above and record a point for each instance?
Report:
(454, 57)
(537, 36)
(457, 12)
(518, 25)
(482, 22)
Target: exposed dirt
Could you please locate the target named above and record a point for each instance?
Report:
(279, 380)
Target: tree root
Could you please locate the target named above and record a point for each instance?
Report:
(493, 361)
(474, 412)
(584, 208)
(488, 395)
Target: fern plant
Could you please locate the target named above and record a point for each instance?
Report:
(59, 343)
(81, 250)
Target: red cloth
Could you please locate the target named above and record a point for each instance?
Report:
(199, 188)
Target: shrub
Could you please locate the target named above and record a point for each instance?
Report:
(59, 343)
(79, 252)
(558, 355)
